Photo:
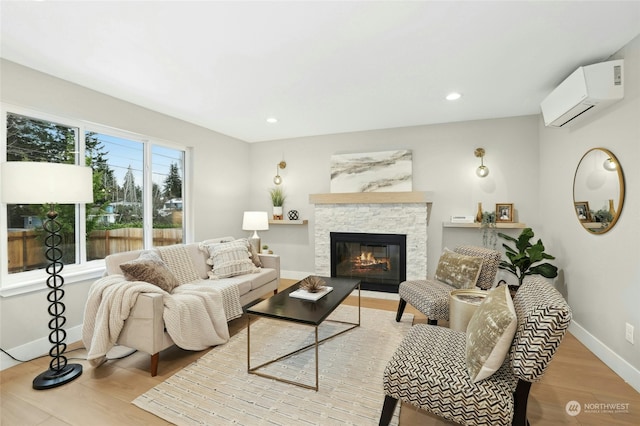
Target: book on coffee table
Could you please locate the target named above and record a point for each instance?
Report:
(304, 294)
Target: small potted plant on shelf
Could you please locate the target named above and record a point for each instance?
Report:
(525, 257)
(277, 200)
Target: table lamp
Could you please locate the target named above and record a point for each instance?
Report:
(255, 221)
(50, 183)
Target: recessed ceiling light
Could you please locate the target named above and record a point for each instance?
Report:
(272, 120)
(453, 96)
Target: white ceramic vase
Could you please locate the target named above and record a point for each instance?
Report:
(277, 212)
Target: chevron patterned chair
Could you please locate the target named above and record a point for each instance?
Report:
(431, 297)
(429, 371)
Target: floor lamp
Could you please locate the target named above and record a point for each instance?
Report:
(255, 221)
(50, 183)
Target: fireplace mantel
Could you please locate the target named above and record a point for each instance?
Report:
(372, 197)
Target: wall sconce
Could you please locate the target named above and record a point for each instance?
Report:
(278, 179)
(610, 164)
(482, 170)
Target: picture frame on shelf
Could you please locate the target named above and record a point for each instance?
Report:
(582, 211)
(504, 212)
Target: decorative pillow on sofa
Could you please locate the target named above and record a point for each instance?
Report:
(490, 334)
(149, 267)
(255, 258)
(230, 259)
(458, 270)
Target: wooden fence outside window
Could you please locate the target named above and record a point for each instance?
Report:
(26, 250)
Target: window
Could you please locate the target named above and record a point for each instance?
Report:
(138, 187)
(167, 167)
(116, 220)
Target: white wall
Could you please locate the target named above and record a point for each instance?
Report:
(443, 162)
(220, 189)
(600, 273)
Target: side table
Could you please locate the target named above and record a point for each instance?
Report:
(462, 304)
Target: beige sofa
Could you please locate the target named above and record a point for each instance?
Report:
(144, 329)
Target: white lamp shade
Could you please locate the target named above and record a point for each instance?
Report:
(255, 221)
(25, 182)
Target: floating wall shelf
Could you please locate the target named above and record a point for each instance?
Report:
(371, 197)
(288, 222)
(499, 225)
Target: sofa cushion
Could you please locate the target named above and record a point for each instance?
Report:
(458, 270)
(229, 259)
(241, 281)
(264, 276)
(490, 333)
(149, 267)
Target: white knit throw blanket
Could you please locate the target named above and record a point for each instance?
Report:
(193, 315)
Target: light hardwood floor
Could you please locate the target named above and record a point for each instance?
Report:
(103, 396)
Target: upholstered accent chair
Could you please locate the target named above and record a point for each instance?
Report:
(431, 297)
(430, 368)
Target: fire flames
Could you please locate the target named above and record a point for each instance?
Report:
(367, 260)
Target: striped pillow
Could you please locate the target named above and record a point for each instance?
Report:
(230, 259)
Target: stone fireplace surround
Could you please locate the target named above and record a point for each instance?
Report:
(373, 212)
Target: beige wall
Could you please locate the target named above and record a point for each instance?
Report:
(443, 162)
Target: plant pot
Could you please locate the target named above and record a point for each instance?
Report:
(277, 213)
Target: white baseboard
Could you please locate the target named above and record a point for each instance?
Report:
(36, 348)
(621, 367)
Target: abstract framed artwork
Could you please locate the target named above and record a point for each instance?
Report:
(504, 212)
(385, 171)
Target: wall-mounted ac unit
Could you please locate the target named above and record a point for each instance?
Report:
(588, 88)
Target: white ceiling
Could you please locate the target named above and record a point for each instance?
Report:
(319, 67)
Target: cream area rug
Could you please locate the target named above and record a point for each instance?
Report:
(217, 389)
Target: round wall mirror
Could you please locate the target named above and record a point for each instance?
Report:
(598, 190)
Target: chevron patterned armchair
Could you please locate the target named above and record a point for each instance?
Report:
(431, 297)
(429, 368)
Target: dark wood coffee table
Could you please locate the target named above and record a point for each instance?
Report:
(286, 308)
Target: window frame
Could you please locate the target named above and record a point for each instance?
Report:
(83, 270)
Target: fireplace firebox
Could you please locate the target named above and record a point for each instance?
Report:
(378, 260)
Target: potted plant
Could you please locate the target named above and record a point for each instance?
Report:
(603, 216)
(277, 200)
(525, 257)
